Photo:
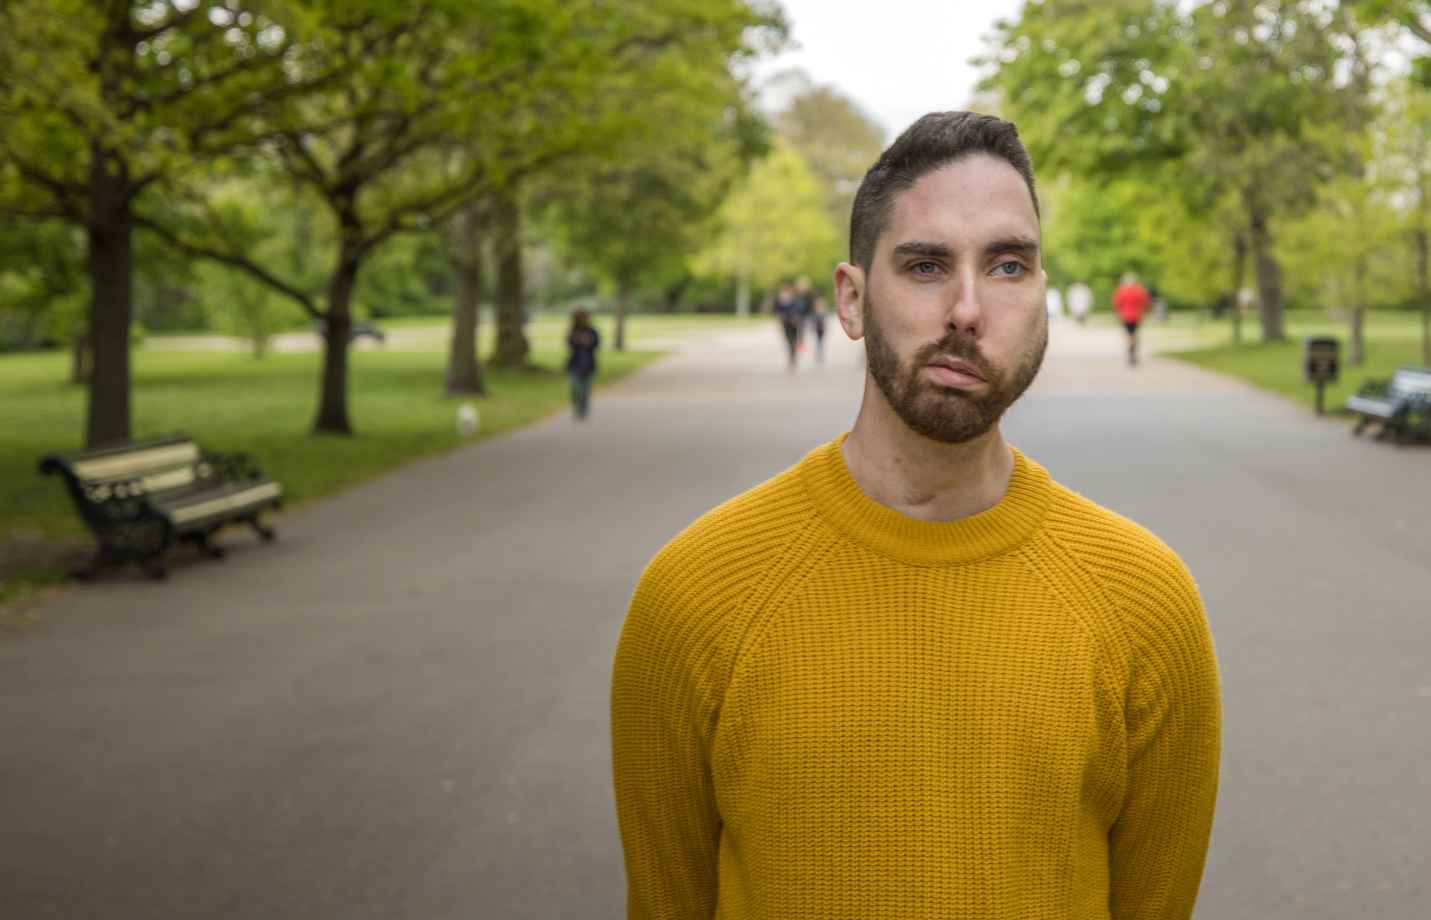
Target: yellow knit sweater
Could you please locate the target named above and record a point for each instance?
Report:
(822, 708)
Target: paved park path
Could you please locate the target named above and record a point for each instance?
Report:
(400, 709)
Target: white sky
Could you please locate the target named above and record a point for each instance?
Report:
(897, 58)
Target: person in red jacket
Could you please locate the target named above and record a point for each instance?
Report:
(1130, 302)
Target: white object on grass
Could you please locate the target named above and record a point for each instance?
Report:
(467, 420)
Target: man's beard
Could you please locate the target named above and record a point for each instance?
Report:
(944, 413)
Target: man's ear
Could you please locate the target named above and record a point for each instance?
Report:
(849, 299)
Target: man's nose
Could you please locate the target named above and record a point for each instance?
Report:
(965, 315)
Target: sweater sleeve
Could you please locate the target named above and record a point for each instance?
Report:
(661, 729)
(1159, 842)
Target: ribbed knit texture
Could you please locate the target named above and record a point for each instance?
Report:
(822, 708)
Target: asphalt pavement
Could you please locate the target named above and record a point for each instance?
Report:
(400, 708)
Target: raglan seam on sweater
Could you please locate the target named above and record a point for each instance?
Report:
(1137, 676)
(761, 622)
(1090, 629)
(1118, 628)
(1100, 643)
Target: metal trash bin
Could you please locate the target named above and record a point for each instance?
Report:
(1322, 363)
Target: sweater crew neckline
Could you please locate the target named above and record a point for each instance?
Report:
(841, 501)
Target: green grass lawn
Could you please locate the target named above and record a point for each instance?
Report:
(551, 328)
(1393, 339)
(229, 401)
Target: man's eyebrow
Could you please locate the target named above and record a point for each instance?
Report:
(921, 248)
(1015, 245)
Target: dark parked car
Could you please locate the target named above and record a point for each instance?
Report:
(359, 330)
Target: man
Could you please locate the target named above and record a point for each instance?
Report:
(1130, 302)
(912, 676)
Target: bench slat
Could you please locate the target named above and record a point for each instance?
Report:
(137, 463)
(1380, 408)
(238, 496)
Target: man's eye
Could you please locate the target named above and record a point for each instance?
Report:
(1009, 269)
(926, 268)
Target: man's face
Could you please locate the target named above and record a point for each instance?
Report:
(952, 306)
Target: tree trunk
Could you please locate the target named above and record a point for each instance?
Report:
(512, 347)
(675, 292)
(1239, 269)
(338, 325)
(1356, 338)
(742, 296)
(464, 372)
(1269, 274)
(623, 291)
(110, 235)
(79, 358)
(1423, 283)
(1356, 341)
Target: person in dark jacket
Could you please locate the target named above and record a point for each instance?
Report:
(787, 310)
(583, 340)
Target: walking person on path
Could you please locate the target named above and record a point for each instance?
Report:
(804, 306)
(1130, 302)
(582, 340)
(1080, 301)
(787, 310)
(818, 312)
(913, 676)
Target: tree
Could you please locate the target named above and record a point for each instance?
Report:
(1412, 15)
(773, 226)
(101, 106)
(838, 141)
(1224, 91)
(626, 70)
(1405, 156)
(374, 151)
(636, 215)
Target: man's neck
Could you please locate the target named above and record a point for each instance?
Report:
(920, 477)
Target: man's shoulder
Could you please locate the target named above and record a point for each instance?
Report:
(732, 543)
(1138, 572)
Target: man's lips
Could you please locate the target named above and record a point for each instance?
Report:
(955, 373)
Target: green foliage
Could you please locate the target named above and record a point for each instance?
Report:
(633, 210)
(774, 226)
(42, 285)
(838, 142)
(1412, 15)
(1228, 114)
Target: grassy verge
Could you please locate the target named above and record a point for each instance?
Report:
(229, 401)
(1393, 339)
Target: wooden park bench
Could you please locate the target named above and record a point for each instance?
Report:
(1402, 405)
(141, 498)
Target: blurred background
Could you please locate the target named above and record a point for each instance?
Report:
(344, 236)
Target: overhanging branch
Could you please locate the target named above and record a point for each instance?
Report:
(232, 259)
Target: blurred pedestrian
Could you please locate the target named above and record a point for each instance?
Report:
(804, 306)
(1080, 301)
(818, 311)
(787, 310)
(1160, 304)
(582, 340)
(1054, 302)
(1130, 302)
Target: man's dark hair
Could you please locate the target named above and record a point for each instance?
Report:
(935, 140)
